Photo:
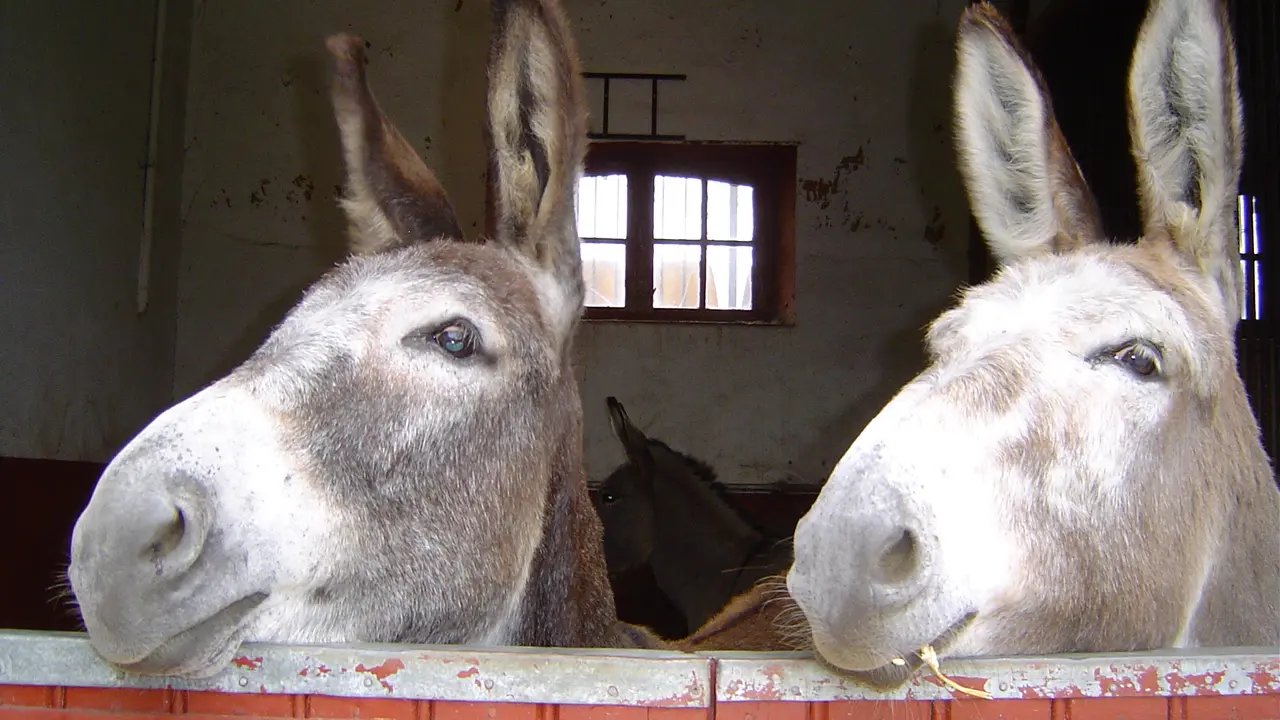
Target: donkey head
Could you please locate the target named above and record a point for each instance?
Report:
(626, 504)
(385, 465)
(1077, 469)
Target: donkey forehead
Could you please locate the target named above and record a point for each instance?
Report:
(400, 291)
(622, 476)
(1085, 301)
(374, 301)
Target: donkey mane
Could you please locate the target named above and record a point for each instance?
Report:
(707, 474)
(701, 468)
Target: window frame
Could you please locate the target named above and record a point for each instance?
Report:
(770, 168)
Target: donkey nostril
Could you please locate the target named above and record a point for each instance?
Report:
(900, 558)
(168, 537)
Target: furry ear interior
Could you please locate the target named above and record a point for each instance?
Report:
(1187, 132)
(538, 134)
(1026, 189)
(392, 198)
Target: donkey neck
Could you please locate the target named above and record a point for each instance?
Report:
(701, 543)
(1240, 601)
(568, 601)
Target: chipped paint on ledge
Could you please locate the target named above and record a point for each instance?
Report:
(638, 678)
(410, 672)
(1231, 671)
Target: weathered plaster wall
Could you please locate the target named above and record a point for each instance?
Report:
(881, 222)
(82, 371)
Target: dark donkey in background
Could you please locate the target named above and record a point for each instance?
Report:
(666, 508)
(401, 460)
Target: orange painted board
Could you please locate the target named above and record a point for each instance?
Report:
(1239, 707)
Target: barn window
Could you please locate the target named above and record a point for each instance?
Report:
(688, 232)
(1250, 259)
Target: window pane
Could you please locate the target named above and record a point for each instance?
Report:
(602, 207)
(729, 277)
(677, 208)
(604, 269)
(1257, 291)
(730, 211)
(1250, 257)
(677, 275)
(1242, 212)
(1245, 300)
(1256, 230)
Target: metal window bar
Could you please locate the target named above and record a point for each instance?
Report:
(732, 289)
(702, 251)
(1251, 266)
(654, 79)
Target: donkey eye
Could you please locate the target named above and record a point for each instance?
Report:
(608, 498)
(458, 339)
(1139, 358)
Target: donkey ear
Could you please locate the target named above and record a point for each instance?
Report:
(1026, 190)
(632, 439)
(392, 198)
(1187, 132)
(538, 133)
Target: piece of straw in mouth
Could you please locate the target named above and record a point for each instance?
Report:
(930, 658)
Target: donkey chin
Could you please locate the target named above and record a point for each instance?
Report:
(877, 647)
(202, 650)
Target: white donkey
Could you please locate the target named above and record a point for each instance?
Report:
(1078, 468)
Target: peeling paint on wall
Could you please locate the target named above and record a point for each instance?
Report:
(936, 229)
(819, 191)
(823, 192)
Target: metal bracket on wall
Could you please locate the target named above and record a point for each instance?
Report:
(653, 79)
